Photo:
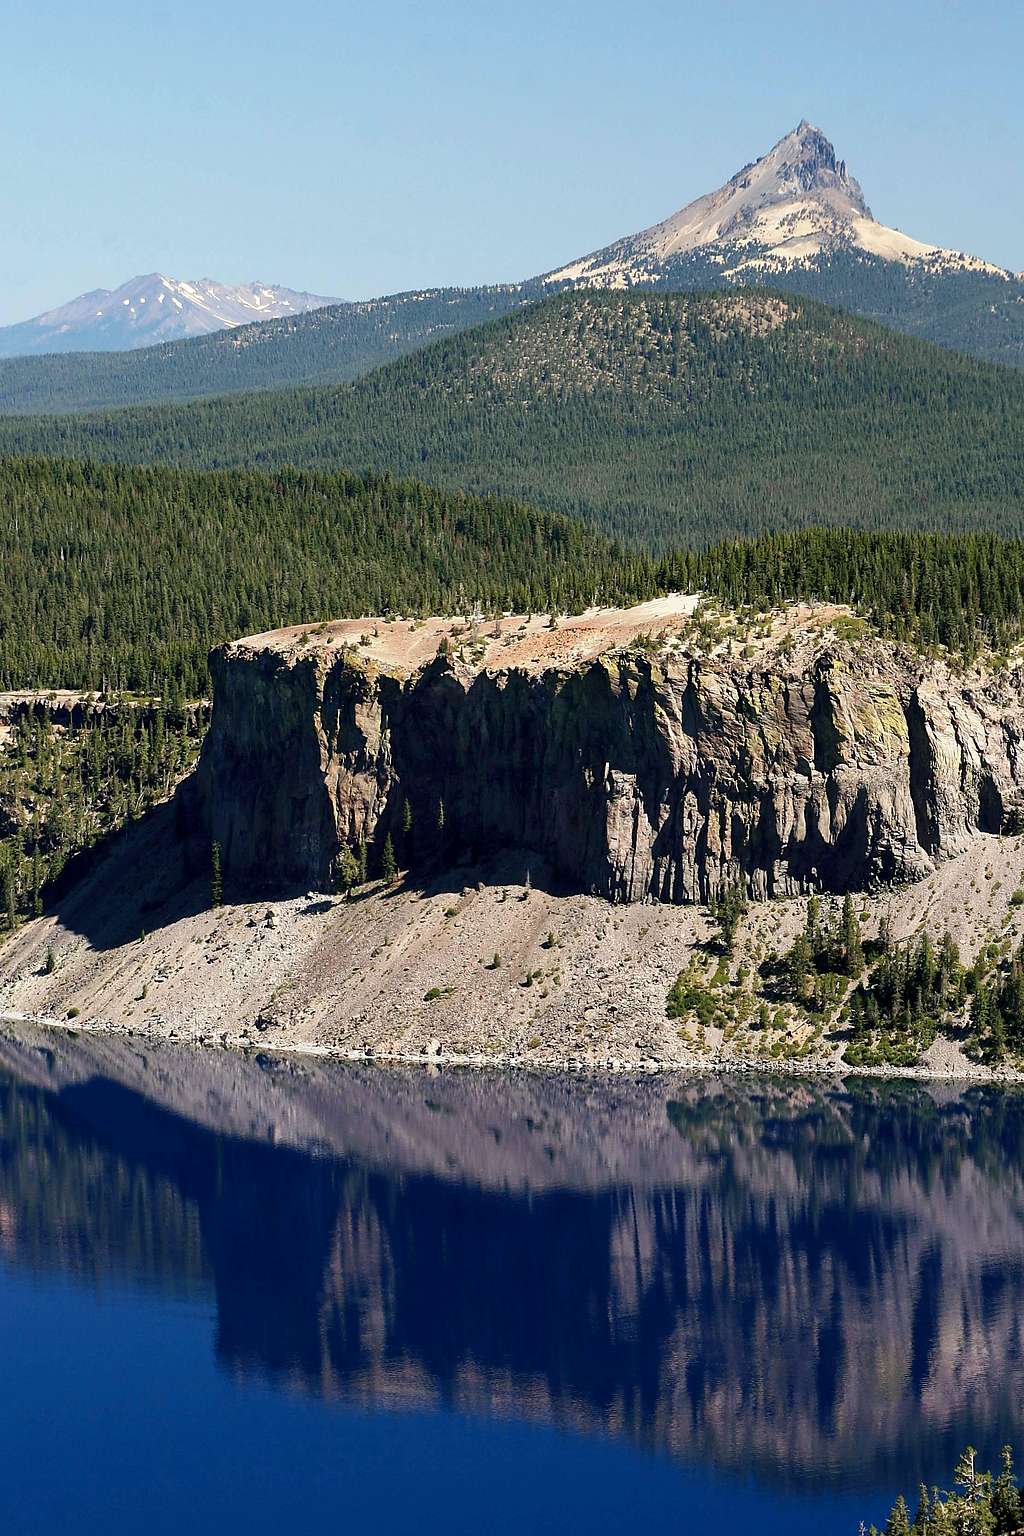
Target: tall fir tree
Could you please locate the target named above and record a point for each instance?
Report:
(216, 877)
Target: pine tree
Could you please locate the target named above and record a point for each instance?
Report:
(10, 895)
(363, 859)
(815, 936)
(347, 869)
(898, 1523)
(727, 912)
(216, 878)
(850, 940)
(388, 863)
(922, 1518)
(967, 1476)
(1007, 1504)
(801, 965)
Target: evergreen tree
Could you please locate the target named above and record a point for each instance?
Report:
(987, 1506)
(9, 892)
(1007, 1502)
(216, 879)
(388, 863)
(850, 940)
(922, 1516)
(347, 869)
(800, 966)
(363, 859)
(728, 911)
(898, 1523)
(813, 929)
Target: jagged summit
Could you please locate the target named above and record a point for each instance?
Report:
(793, 207)
(807, 160)
(152, 308)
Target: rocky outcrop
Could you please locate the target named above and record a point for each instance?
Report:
(635, 774)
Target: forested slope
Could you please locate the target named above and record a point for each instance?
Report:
(660, 419)
(976, 312)
(980, 312)
(124, 578)
(324, 346)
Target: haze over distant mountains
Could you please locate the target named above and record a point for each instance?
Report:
(796, 219)
(150, 309)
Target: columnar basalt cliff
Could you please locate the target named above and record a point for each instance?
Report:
(628, 758)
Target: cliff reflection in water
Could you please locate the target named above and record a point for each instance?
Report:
(817, 1281)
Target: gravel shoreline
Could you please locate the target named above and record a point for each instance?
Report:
(482, 968)
(697, 1066)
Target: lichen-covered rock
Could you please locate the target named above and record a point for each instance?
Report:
(842, 766)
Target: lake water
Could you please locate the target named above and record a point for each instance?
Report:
(255, 1295)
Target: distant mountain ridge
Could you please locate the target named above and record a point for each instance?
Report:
(151, 309)
(323, 346)
(796, 220)
(662, 418)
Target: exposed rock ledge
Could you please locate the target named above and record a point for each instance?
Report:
(641, 760)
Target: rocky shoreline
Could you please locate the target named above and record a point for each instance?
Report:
(476, 969)
(431, 1060)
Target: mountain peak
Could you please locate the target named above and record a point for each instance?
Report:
(152, 308)
(795, 207)
(805, 159)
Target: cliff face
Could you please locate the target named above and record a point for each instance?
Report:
(633, 773)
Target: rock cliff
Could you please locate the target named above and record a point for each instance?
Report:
(635, 756)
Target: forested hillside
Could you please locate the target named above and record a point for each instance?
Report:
(324, 346)
(965, 591)
(974, 311)
(124, 578)
(663, 420)
(970, 311)
(121, 578)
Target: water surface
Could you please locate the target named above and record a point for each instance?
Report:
(252, 1294)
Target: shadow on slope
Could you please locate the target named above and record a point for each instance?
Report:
(142, 878)
(156, 872)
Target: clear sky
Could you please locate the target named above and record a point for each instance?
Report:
(359, 149)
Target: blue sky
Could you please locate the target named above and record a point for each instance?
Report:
(361, 149)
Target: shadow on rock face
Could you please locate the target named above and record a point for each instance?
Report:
(157, 871)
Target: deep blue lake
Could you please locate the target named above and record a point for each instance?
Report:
(262, 1295)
